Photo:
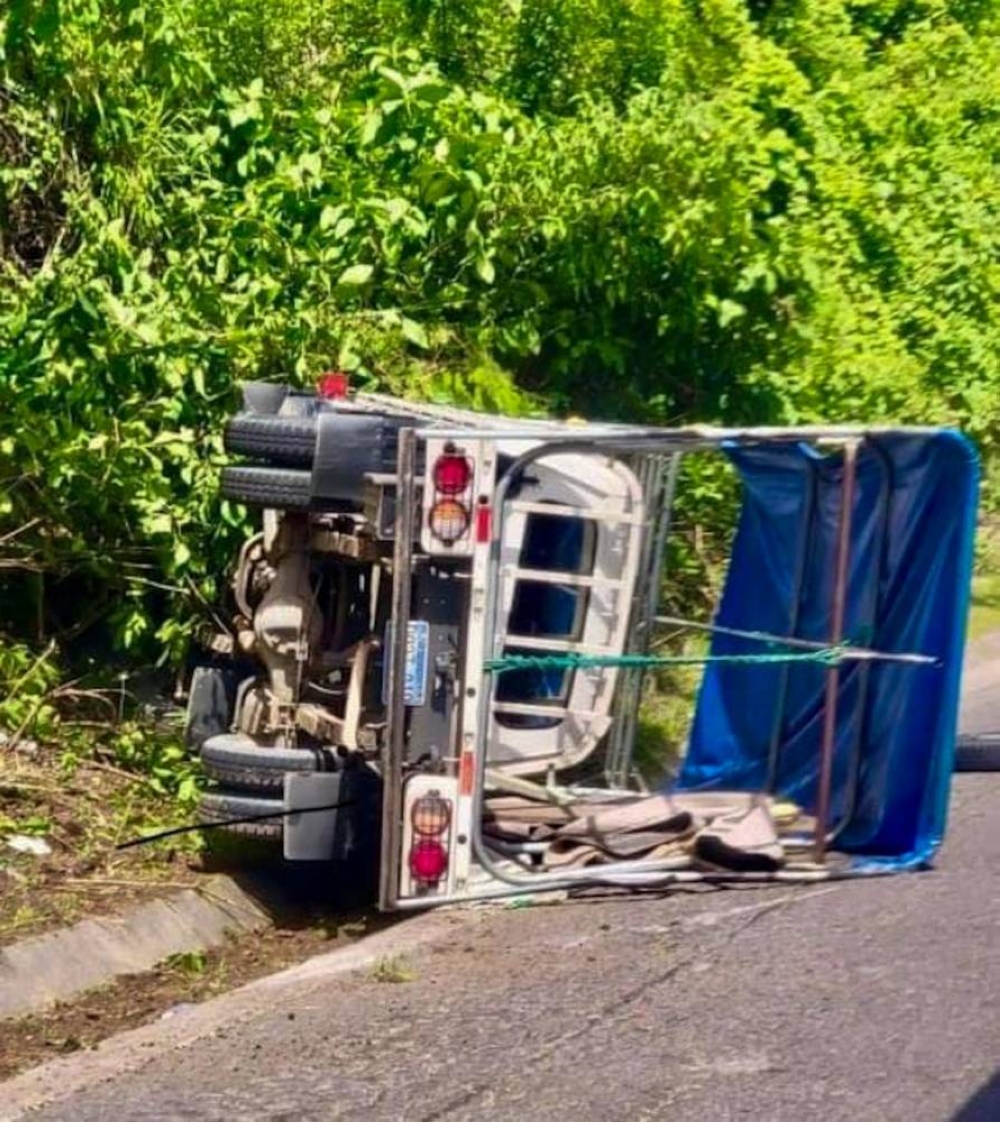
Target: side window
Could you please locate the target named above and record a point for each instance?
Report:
(540, 609)
(556, 543)
(553, 544)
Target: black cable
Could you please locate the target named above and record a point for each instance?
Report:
(231, 822)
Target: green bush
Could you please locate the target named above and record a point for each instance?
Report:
(660, 209)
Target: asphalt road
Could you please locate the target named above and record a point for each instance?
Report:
(981, 686)
(863, 1000)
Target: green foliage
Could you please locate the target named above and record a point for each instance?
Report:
(661, 209)
(157, 755)
(26, 679)
(34, 706)
(35, 825)
(190, 963)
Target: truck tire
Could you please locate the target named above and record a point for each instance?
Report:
(288, 441)
(978, 752)
(218, 806)
(278, 488)
(239, 763)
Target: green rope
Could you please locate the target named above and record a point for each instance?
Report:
(829, 656)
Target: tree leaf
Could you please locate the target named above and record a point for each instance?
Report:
(414, 333)
(355, 276)
(484, 269)
(730, 310)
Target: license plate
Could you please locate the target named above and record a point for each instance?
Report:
(415, 678)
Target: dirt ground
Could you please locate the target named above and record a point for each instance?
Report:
(78, 818)
(137, 999)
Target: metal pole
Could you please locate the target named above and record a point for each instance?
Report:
(848, 653)
(879, 456)
(394, 747)
(840, 579)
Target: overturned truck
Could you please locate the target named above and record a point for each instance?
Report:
(447, 623)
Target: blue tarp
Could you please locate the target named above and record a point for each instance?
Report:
(911, 558)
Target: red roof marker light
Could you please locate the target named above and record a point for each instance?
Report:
(333, 385)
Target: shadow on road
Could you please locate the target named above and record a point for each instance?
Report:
(297, 895)
(984, 1106)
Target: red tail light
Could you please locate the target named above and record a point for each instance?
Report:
(452, 474)
(428, 861)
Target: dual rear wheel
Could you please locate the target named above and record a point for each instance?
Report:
(252, 779)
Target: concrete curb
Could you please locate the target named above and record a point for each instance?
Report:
(129, 1051)
(37, 972)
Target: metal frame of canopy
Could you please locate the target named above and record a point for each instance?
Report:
(654, 455)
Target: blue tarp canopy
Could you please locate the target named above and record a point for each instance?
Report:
(911, 553)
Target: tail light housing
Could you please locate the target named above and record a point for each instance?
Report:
(449, 499)
(429, 808)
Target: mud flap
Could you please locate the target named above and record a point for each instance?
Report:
(349, 833)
